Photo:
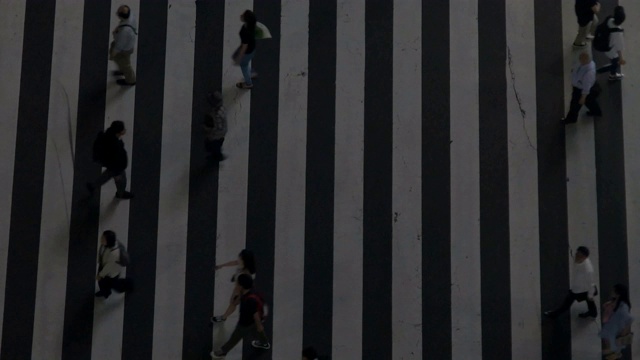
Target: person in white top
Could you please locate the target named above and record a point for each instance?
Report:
(616, 44)
(582, 286)
(108, 264)
(124, 40)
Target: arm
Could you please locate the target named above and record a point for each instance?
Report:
(230, 263)
(592, 285)
(241, 52)
(111, 265)
(258, 321)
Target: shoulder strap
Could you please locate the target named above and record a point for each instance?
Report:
(131, 26)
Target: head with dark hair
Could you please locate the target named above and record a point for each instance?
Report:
(117, 128)
(582, 253)
(249, 18)
(248, 260)
(245, 281)
(309, 353)
(618, 15)
(621, 293)
(109, 238)
(124, 11)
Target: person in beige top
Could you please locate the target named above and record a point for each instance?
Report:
(124, 40)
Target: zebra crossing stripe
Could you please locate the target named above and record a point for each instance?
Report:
(173, 199)
(436, 179)
(58, 184)
(12, 16)
(348, 277)
(377, 202)
(28, 179)
(320, 177)
(407, 197)
(203, 184)
(523, 182)
(466, 313)
(494, 182)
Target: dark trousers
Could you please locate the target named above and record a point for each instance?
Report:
(116, 284)
(580, 297)
(214, 147)
(611, 68)
(591, 103)
(119, 178)
(239, 333)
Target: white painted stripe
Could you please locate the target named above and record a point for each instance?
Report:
(631, 112)
(466, 312)
(288, 285)
(407, 181)
(582, 209)
(523, 182)
(58, 181)
(348, 196)
(108, 318)
(233, 173)
(12, 14)
(173, 206)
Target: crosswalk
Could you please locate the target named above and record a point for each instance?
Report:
(399, 169)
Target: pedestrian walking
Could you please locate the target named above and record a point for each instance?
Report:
(585, 89)
(112, 257)
(613, 46)
(215, 126)
(124, 40)
(616, 323)
(582, 287)
(246, 51)
(245, 264)
(109, 151)
(251, 316)
(586, 11)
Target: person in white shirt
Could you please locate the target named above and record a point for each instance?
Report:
(124, 40)
(582, 286)
(108, 266)
(616, 44)
(585, 89)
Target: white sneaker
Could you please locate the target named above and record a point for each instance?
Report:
(259, 345)
(617, 76)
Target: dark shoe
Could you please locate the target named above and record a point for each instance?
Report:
(260, 345)
(588, 314)
(218, 354)
(125, 195)
(117, 73)
(217, 319)
(243, 85)
(90, 187)
(591, 113)
(101, 294)
(564, 121)
(123, 82)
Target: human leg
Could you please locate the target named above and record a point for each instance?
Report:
(245, 66)
(121, 183)
(574, 106)
(238, 334)
(123, 59)
(592, 101)
(105, 284)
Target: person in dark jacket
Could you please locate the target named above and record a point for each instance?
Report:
(110, 153)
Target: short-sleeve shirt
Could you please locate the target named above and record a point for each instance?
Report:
(248, 307)
(248, 37)
(584, 12)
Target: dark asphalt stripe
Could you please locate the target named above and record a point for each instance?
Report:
(137, 336)
(436, 181)
(610, 181)
(203, 186)
(494, 182)
(377, 206)
(85, 209)
(263, 156)
(28, 180)
(552, 176)
(321, 111)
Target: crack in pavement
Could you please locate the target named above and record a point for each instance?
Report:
(523, 113)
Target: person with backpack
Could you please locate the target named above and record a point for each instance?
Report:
(586, 11)
(245, 264)
(245, 52)
(252, 312)
(610, 40)
(585, 89)
(108, 151)
(124, 40)
(112, 256)
(215, 127)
